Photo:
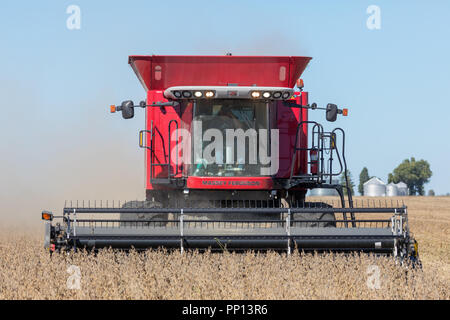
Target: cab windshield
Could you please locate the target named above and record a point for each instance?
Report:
(227, 136)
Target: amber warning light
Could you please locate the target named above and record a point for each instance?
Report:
(47, 216)
(112, 108)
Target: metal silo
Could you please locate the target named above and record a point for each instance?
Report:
(324, 192)
(375, 188)
(391, 190)
(403, 189)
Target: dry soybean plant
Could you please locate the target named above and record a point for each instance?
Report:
(28, 272)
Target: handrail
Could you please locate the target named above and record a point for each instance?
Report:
(294, 158)
(141, 144)
(170, 150)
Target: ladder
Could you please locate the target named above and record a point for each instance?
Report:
(142, 144)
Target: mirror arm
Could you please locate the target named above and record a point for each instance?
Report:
(331, 110)
(142, 104)
(294, 105)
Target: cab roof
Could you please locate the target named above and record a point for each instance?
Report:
(158, 72)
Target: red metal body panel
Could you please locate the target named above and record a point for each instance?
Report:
(219, 70)
(303, 100)
(287, 121)
(158, 123)
(162, 72)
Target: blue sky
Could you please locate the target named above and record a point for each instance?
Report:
(56, 83)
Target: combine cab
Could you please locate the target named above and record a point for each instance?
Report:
(230, 155)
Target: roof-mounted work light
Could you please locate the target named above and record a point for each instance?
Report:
(277, 95)
(286, 95)
(187, 94)
(228, 92)
(256, 94)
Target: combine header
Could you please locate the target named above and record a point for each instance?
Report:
(230, 155)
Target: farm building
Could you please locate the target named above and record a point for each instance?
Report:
(375, 188)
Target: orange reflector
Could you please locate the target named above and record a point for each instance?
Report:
(47, 216)
(113, 108)
(345, 112)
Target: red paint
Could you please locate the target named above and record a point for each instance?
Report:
(160, 72)
(286, 122)
(304, 133)
(158, 121)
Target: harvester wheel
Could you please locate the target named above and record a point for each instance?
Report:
(328, 217)
(142, 216)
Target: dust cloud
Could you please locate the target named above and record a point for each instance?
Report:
(51, 151)
(266, 44)
(66, 151)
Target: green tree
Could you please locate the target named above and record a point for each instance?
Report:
(414, 173)
(431, 193)
(351, 184)
(363, 178)
(391, 178)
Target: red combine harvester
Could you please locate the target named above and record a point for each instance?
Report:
(230, 155)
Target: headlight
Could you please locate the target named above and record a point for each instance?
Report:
(286, 94)
(209, 94)
(256, 94)
(266, 94)
(277, 94)
(177, 94)
(187, 94)
(198, 94)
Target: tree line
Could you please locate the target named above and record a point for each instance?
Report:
(414, 173)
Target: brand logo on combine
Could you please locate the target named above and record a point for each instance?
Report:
(244, 152)
(230, 183)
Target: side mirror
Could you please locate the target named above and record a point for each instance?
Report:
(332, 111)
(127, 108)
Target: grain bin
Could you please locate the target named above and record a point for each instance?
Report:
(324, 192)
(375, 188)
(402, 188)
(391, 190)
